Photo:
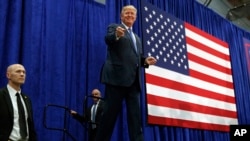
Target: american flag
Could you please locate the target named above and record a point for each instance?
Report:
(191, 85)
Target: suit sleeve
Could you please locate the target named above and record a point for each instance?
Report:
(79, 118)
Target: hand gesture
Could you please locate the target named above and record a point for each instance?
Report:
(150, 60)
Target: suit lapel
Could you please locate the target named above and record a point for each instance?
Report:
(8, 101)
(131, 40)
(26, 101)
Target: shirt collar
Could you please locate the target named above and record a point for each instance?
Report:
(127, 26)
(12, 91)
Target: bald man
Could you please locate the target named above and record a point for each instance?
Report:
(9, 115)
(93, 114)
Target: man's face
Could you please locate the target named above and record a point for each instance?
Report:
(128, 17)
(16, 74)
(96, 93)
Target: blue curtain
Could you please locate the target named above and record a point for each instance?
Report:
(61, 44)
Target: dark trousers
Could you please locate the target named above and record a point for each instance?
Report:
(114, 96)
(92, 134)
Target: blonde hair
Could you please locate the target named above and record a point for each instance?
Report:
(128, 7)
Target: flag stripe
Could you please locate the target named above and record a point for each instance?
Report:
(186, 123)
(188, 106)
(188, 115)
(166, 83)
(204, 37)
(196, 84)
(208, 56)
(183, 94)
(209, 71)
(205, 48)
(212, 65)
(210, 79)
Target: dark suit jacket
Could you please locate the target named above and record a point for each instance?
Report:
(122, 64)
(87, 116)
(6, 116)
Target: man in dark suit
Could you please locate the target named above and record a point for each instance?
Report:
(10, 127)
(121, 76)
(93, 115)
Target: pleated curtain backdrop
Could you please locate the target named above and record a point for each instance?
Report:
(61, 44)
